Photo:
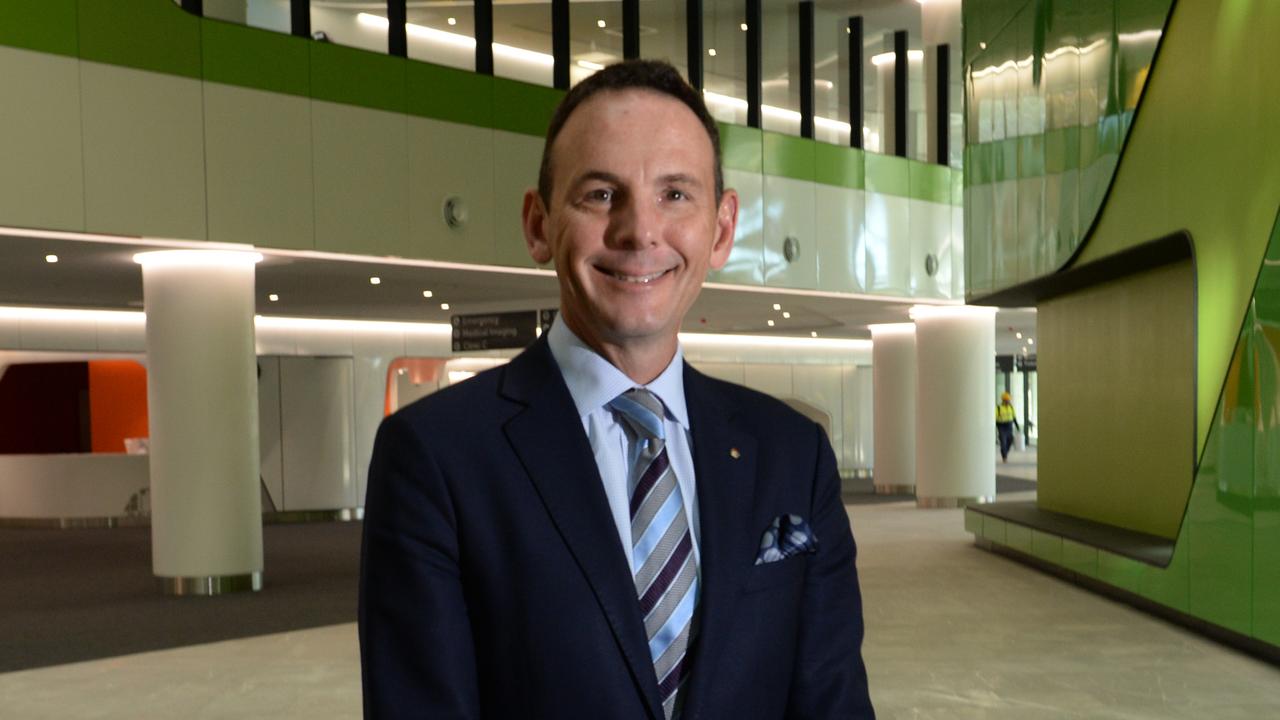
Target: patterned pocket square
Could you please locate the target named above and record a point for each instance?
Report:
(788, 535)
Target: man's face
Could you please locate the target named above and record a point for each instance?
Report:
(633, 223)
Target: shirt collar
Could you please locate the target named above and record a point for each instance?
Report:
(593, 381)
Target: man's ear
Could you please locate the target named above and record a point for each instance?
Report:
(726, 226)
(534, 217)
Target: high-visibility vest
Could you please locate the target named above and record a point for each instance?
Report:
(1004, 413)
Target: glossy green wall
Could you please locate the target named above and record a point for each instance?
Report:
(1050, 89)
(1199, 157)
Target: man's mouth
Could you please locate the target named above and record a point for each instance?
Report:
(637, 279)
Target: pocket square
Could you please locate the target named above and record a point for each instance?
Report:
(788, 535)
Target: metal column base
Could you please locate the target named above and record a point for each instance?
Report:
(895, 489)
(211, 584)
(951, 502)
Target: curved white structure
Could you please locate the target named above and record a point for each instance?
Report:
(893, 367)
(206, 514)
(955, 405)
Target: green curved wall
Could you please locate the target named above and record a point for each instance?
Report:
(1051, 89)
(1201, 157)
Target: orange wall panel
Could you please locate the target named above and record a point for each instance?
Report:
(117, 403)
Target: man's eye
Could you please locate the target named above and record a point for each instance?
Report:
(600, 195)
(676, 195)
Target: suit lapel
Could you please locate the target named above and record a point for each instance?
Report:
(548, 438)
(724, 461)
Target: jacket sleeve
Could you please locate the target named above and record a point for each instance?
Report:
(416, 650)
(829, 678)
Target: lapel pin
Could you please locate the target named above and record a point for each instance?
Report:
(733, 453)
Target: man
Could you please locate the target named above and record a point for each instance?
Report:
(596, 530)
(1006, 421)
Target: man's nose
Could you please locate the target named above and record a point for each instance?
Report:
(633, 224)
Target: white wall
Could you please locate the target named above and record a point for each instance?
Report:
(833, 376)
(70, 485)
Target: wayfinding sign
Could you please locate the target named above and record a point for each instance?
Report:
(494, 331)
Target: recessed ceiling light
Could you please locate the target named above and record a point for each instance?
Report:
(444, 306)
(786, 315)
(743, 26)
(273, 297)
(711, 52)
(1024, 349)
(1018, 335)
(51, 258)
(770, 323)
(813, 334)
(982, 46)
(452, 21)
(601, 23)
(375, 280)
(1031, 341)
(427, 293)
(776, 306)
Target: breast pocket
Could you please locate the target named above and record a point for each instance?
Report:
(774, 574)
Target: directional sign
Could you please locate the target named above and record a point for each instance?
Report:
(494, 331)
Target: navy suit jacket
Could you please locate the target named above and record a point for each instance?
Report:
(493, 584)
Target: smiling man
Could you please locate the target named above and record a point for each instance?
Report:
(597, 530)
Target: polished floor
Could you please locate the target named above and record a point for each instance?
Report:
(952, 632)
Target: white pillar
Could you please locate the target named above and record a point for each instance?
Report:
(955, 413)
(206, 512)
(893, 367)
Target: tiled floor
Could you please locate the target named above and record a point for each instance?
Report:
(952, 632)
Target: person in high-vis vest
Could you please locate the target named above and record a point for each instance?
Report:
(1006, 421)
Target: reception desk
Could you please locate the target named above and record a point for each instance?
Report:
(69, 488)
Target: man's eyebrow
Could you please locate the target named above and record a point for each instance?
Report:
(680, 179)
(600, 175)
(677, 178)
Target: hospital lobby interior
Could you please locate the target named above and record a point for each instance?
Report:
(235, 235)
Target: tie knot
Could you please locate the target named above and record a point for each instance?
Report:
(641, 410)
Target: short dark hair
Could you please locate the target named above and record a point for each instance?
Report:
(653, 75)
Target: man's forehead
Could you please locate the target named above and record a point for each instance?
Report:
(663, 119)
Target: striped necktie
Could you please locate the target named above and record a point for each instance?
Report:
(666, 573)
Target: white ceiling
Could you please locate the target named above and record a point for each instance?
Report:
(100, 273)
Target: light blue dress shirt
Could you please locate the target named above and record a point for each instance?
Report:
(594, 382)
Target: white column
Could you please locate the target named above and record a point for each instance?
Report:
(893, 367)
(206, 513)
(955, 413)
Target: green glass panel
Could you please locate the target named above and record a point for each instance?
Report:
(1168, 586)
(522, 107)
(994, 529)
(1046, 546)
(43, 25)
(1018, 537)
(1221, 562)
(445, 93)
(1266, 484)
(254, 58)
(929, 182)
(1080, 558)
(888, 174)
(1034, 250)
(742, 147)
(839, 166)
(788, 156)
(972, 522)
(357, 77)
(1061, 80)
(144, 34)
(1119, 571)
